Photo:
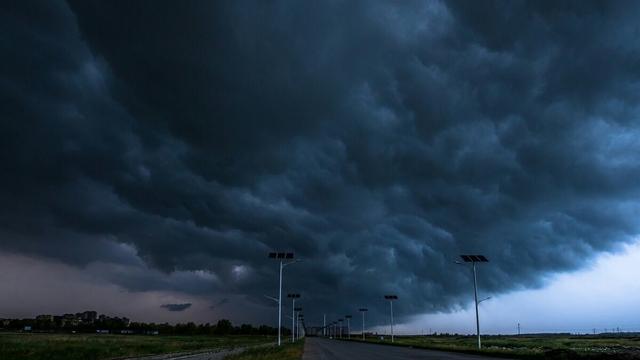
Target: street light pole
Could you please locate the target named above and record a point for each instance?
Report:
(293, 315)
(473, 259)
(281, 256)
(363, 310)
(300, 329)
(324, 325)
(475, 295)
(280, 304)
(391, 303)
(296, 316)
(348, 317)
(391, 298)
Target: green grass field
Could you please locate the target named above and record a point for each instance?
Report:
(93, 347)
(532, 346)
(286, 352)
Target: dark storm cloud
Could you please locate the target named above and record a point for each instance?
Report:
(176, 307)
(219, 303)
(376, 140)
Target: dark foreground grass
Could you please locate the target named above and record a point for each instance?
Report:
(530, 346)
(284, 352)
(99, 347)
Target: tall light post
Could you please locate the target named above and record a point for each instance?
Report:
(348, 317)
(391, 298)
(473, 259)
(293, 315)
(363, 310)
(296, 316)
(324, 325)
(300, 329)
(282, 257)
(340, 329)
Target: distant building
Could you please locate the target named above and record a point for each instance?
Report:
(102, 331)
(89, 316)
(27, 328)
(68, 320)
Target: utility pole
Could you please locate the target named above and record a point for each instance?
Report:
(518, 329)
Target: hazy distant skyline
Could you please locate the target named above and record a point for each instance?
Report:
(153, 153)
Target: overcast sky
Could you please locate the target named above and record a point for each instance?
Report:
(153, 153)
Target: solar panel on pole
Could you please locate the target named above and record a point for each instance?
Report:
(473, 259)
(280, 256)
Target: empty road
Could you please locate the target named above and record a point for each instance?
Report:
(324, 349)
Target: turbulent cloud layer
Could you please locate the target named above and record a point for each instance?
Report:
(173, 145)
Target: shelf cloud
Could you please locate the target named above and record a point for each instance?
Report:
(171, 146)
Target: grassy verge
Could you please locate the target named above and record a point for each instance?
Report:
(285, 352)
(99, 347)
(460, 349)
(529, 347)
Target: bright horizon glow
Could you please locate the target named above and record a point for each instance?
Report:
(603, 297)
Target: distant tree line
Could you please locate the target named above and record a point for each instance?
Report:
(222, 327)
(123, 326)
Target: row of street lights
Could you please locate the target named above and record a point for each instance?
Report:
(287, 258)
(294, 315)
(333, 332)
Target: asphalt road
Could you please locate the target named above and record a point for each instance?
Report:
(325, 349)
